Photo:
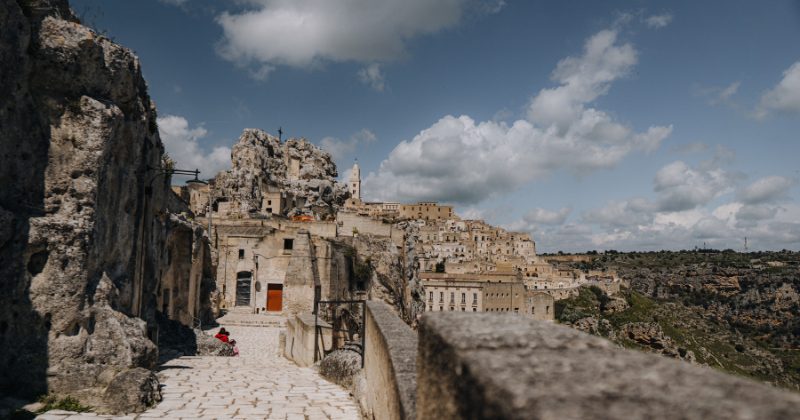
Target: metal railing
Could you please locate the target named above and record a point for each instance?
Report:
(362, 331)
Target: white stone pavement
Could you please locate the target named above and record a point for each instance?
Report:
(257, 385)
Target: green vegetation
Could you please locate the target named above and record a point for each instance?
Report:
(167, 162)
(439, 268)
(153, 125)
(74, 107)
(355, 231)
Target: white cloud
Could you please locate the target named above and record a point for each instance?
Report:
(784, 98)
(766, 190)
(487, 215)
(309, 33)
(756, 212)
(181, 143)
(503, 115)
(690, 148)
(176, 89)
(658, 21)
(575, 229)
(545, 217)
(338, 148)
(372, 76)
(459, 161)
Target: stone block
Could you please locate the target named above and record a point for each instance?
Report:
(492, 366)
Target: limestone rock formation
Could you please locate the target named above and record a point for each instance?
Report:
(260, 162)
(132, 391)
(82, 246)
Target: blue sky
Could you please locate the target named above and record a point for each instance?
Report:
(632, 125)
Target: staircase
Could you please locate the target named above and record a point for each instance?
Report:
(243, 317)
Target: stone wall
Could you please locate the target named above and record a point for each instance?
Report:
(299, 344)
(485, 366)
(348, 221)
(389, 365)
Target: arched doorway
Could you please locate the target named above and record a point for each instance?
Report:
(243, 281)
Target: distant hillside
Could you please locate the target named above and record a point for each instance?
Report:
(735, 312)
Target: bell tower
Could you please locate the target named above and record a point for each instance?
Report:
(355, 182)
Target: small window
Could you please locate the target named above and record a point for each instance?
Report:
(441, 296)
(463, 298)
(452, 297)
(463, 309)
(288, 243)
(269, 202)
(431, 296)
(533, 310)
(516, 310)
(241, 254)
(474, 309)
(547, 310)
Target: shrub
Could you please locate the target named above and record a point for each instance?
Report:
(153, 125)
(571, 315)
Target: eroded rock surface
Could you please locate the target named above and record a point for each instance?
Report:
(259, 161)
(82, 247)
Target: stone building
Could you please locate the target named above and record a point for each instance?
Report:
(484, 292)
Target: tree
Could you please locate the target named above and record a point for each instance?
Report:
(439, 267)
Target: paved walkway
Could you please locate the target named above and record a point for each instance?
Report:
(257, 385)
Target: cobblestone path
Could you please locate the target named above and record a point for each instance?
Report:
(257, 385)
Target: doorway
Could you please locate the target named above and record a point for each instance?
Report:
(274, 297)
(243, 281)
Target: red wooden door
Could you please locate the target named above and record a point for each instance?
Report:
(274, 297)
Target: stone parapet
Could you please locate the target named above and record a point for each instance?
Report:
(390, 365)
(299, 341)
(498, 366)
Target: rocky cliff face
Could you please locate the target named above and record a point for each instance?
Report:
(259, 161)
(82, 247)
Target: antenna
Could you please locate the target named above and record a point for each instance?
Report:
(745, 244)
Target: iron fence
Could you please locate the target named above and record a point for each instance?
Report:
(361, 331)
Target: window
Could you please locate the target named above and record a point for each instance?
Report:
(430, 308)
(441, 296)
(516, 310)
(269, 202)
(547, 310)
(487, 295)
(241, 254)
(452, 309)
(533, 310)
(452, 297)
(288, 244)
(474, 309)
(463, 298)
(516, 294)
(431, 299)
(463, 309)
(474, 298)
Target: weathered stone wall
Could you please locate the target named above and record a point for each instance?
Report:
(485, 366)
(299, 345)
(390, 365)
(367, 225)
(81, 246)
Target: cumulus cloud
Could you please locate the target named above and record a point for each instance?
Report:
(575, 229)
(487, 215)
(690, 148)
(658, 21)
(338, 148)
(756, 212)
(459, 161)
(308, 33)
(372, 76)
(784, 98)
(766, 190)
(181, 143)
(545, 217)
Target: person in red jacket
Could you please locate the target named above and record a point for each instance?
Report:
(222, 335)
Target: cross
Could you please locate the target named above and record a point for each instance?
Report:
(280, 133)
